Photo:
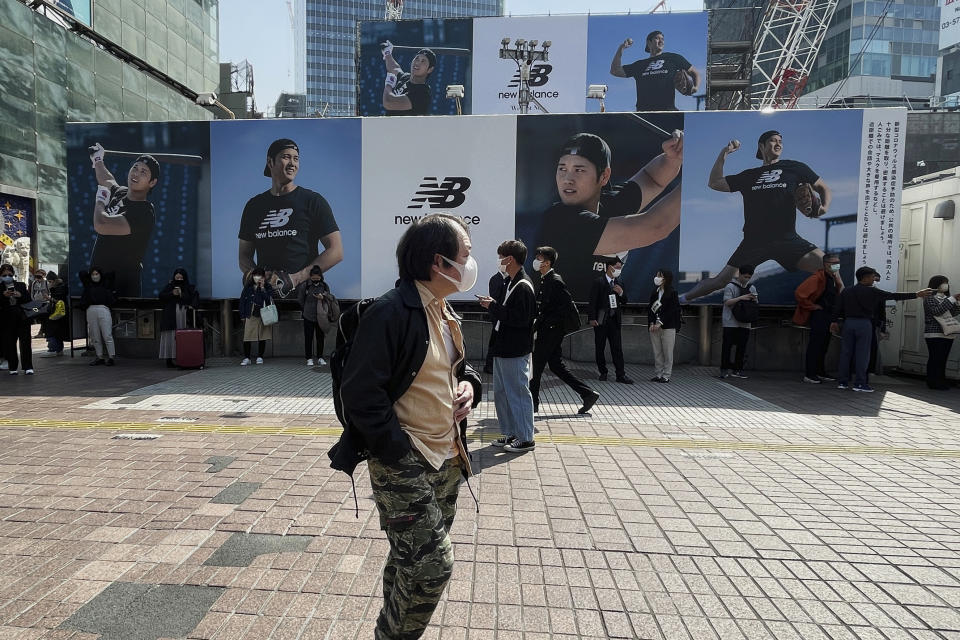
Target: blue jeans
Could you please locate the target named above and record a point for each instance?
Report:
(54, 345)
(857, 335)
(512, 397)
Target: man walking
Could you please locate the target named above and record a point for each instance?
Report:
(857, 307)
(816, 296)
(513, 318)
(406, 391)
(553, 305)
(736, 332)
(605, 313)
(496, 287)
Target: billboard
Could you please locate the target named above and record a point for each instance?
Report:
(683, 192)
(949, 23)
(638, 57)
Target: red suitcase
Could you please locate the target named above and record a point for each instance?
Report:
(190, 351)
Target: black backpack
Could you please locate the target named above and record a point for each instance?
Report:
(745, 310)
(346, 330)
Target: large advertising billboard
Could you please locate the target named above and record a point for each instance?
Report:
(649, 62)
(697, 194)
(949, 23)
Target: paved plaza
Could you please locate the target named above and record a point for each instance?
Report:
(703, 508)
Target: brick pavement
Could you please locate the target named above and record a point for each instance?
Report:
(699, 509)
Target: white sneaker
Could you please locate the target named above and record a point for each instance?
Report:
(259, 360)
(321, 362)
(13, 372)
(245, 362)
(4, 365)
(29, 372)
(310, 362)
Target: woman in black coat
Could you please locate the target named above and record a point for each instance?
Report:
(663, 320)
(14, 324)
(177, 297)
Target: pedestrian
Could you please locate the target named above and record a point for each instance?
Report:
(256, 295)
(512, 318)
(736, 332)
(98, 298)
(663, 321)
(553, 304)
(605, 314)
(56, 326)
(14, 324)
(40, 292)
(816, 297)
(495, 288)
(934, 333)
(178, 296)
(857, 307)
(406, 392)
(310, 294)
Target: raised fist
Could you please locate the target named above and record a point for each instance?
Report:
(386, 48)
(732, 146)
(96, 153)
(627, 43)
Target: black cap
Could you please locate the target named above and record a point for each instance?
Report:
(431, 56)
(646, 43)
(276, 147)
(766, 135)
(591, 147)
(151, 163)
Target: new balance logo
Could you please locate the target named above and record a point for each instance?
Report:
(446, 194)
(276, 219)
(655, 65)
(769, 176)
(539, 75)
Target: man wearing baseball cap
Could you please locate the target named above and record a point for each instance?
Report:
(593, 221)
(407, 94)
(281, 228)
(658, 76)
(124, 220)
(769, 212)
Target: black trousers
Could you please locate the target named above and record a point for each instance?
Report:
(547, 352)
(609, 331)
(819, 343)
(733, 338)
(15, 331)
(488, 364)
(248, 346)
(939, 349)
(312, 330)
(872, 362)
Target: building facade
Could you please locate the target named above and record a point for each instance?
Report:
(331, 37)
(52, 75)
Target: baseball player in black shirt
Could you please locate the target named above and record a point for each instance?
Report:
(407, 94)
(123, 220)
(283, 226)
(769, 212)
(658, 76)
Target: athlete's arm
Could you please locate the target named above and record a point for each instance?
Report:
(616, 66)
(717, 182)
(392, 65)
(104, 223)
(395, 103)
(245, 256)
(696, 79)
(104, 177)
(825, 194)
(331, 255)
(658, 173)
(640, 230)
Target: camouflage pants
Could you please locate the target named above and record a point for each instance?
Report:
(417, 505)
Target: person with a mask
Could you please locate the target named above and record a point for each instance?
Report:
(178, 296)
(309, 294)
(664, 318)
(14, 324)
(98, 298)
(57, 329)
(255, 296)
(816, 297)
(736, 333)
(605, 313)
(938, 342)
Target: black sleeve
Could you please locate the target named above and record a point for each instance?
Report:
(519, 309)
(681, 62)
(322, 222)
(302, 293)
(889, 295)
(651, 316)
(594, 300)
(166, 294)
(738, 181)
(622, 298)
(632, 70)
(839, 311)
(248, 224)
(626, 201)
(806, 174)
(419, 96)
(140, 218)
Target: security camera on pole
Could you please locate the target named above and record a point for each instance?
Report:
(525, 53)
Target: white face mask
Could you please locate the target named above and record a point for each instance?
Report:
(258, 279)
(834, 268)
(468, 273)
(944, 288)
(537, 263)
(502, 268)
(616, 273)
(95, 278)
(658, 281)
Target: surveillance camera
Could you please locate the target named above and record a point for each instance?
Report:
(520, 42)
(206, 98)
(546, 44)
(532, 44)
(505, 42)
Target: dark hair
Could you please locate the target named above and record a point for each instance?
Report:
(936, 281)
(256, 271)
(183, 272)
(746, 268)
(830, 254)
(548, 253)
(51, 276)
(863, 272)
(667, 279)
(97, 269)
(650, 36)
(766, 135)
(515, 249)
(590, 147)
(613, 260)
(5, 266)
(425, 238)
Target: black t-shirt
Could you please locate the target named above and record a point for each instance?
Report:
(767, 190)
(124, 254)
(654, 78)
(574, 233)
(419, 95)
(286, 229)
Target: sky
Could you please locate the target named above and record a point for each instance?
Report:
(259, 31)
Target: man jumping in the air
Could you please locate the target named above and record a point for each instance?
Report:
(658, 76)
(771, 194)
(407, 94)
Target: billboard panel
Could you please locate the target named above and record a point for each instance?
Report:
(79, 10)
(949, 23)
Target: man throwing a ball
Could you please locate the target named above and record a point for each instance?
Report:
(658, 76)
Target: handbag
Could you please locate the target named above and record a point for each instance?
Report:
(35, 308)
(949, 323)
(59, 310)
(269, 315)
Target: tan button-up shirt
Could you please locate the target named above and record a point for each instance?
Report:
(426, 410)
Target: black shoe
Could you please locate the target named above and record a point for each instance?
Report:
(603, 377)
(171, 364)
(110, 362)
(516, 446)
(97, 362)
(655, 379)
(624, 380)
(588, 401)
(502, 441)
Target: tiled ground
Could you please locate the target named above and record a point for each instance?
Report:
(699, 509)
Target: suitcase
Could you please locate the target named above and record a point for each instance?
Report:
(190, 348)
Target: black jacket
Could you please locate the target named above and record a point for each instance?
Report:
(497, 286)
(13, 311)
(669, 314)
(188, 298)
(553, 300)
(388, 349)
(599, 308)
(514, 338)
(97, 293)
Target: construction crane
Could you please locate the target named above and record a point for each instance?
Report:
(662, 4)
(784, 50)
(393, 10)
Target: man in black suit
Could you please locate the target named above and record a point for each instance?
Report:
(605, 312)
(553, 302)
(496, 288)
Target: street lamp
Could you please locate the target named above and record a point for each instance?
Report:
(525, 53)
(455, 92)
(598, 92)
(209, 99)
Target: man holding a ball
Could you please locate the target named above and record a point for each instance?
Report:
(771, 194)
(658, 76)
